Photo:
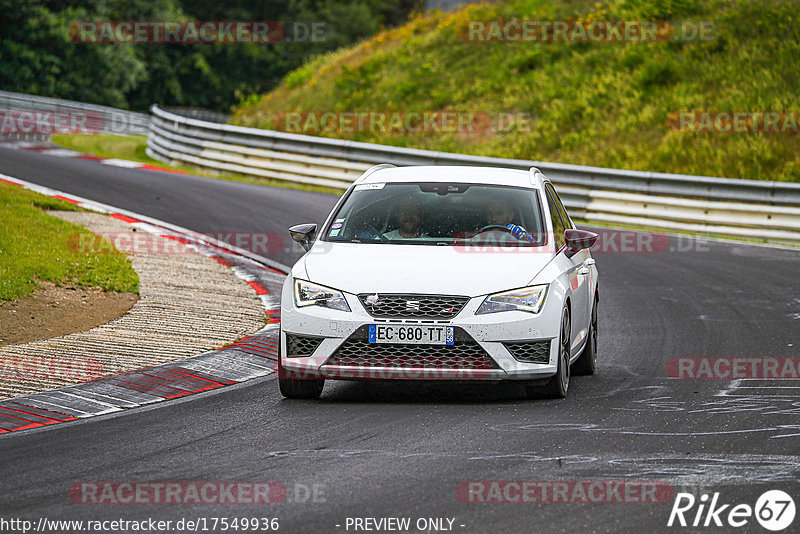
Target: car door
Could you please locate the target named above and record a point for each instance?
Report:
(576, 271)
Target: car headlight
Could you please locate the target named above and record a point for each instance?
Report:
(529, 299)
(311, 294)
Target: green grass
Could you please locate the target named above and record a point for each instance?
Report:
(133, 148)
(35, 246)
(130, 147)
(604, 104)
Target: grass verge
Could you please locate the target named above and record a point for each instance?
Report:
(130, 147)
(36, 246)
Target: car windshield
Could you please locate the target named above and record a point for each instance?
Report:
(438, 214)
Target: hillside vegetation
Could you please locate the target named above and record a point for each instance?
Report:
(39, 55)
(594, 103)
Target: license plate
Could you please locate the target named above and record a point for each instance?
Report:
(411, 335)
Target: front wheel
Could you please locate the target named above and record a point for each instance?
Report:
(298, 388)
(586, 364)
(294, 388)
(558, 384)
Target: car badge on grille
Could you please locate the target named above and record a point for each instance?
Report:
(372, 300)
(448, 310)
(412, 305)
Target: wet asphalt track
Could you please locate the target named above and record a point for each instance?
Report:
(401, 450)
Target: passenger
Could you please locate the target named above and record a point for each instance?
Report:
(409, 214)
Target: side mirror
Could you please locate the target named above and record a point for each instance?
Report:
(305, 234)
(578, 240)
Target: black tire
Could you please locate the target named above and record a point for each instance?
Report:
(586, 364)
(558, 384)
(298, 388)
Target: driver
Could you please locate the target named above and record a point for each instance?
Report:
(409, 213)
(501, 214)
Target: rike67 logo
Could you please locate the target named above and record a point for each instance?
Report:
(774, 510)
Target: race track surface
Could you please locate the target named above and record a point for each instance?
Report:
(401, 449)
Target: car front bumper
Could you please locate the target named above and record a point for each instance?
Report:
(484, 352)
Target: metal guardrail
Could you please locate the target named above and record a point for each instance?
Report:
(101, 119)
(200, 114)
(699, 204)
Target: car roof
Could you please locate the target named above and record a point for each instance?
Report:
(455, 173)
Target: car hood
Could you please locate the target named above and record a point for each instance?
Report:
(444, 270)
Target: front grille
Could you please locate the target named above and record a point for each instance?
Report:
(301, 346)
(529, 351)
(394, 306)
(465, 353)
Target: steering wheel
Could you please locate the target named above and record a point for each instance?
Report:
(494, 227)
(379, 234)
(372, 233)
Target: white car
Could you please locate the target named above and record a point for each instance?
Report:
(439, 273)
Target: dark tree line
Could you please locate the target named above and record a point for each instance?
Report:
(38, 56)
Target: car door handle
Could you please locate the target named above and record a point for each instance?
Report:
(584, 270)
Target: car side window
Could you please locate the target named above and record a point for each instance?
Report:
(558, 224)
(561, 210)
